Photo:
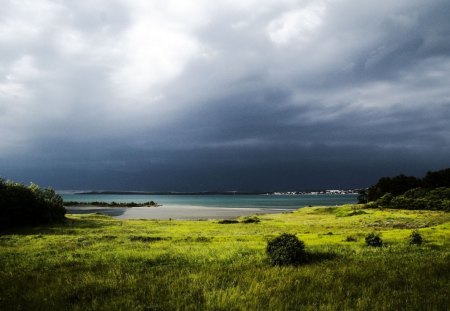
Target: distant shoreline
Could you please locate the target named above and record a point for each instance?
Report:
(318, 192)
(217, 201)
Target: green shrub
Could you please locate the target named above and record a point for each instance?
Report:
(445, 205)
(401, 202)
(249, 220)
(415, 238)
(286, 249)
(371, 205)
(374, 239)
(22, 205)
(416, 193)
(385, 200)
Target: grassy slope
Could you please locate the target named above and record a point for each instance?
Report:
(96, 262)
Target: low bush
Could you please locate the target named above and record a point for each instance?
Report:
(374, 239)
(250, 220)
(28, 205)
(286, 249)
(385, 200)
(415, 238)
(371, 205)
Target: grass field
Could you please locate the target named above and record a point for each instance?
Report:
(94, 262)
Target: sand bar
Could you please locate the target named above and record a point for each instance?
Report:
(174, 212)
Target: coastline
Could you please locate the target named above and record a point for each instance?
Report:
(175, 212)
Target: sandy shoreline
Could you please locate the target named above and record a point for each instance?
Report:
(174, 212)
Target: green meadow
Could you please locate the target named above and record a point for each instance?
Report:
(94, 262)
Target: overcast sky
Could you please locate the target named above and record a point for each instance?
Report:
(223, 95)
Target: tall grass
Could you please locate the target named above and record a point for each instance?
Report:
(94, 262)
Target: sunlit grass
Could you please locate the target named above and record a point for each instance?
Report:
(96, 262)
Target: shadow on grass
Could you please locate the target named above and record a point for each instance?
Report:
(228, 221)
(316, 257)
(112, 211)
(308, 258)
(164, 260)
(147, 239)
(68, 226)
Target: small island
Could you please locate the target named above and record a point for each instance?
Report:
(112, 204)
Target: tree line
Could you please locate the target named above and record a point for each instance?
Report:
(431, 192)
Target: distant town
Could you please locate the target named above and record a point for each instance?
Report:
(338, 192)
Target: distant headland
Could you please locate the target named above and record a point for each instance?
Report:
(308, 192)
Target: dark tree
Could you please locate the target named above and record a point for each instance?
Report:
(396, 186)
(362, 196)
(21, 205)
(407, 192)
(437, 179)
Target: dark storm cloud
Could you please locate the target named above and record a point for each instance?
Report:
(168, 95)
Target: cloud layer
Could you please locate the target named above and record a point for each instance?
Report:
(201, 95)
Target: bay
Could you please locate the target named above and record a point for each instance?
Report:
(223, 201)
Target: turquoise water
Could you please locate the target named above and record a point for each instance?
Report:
(249, 201)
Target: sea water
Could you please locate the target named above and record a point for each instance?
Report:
(239, 200)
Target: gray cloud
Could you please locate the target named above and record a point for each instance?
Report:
(168, 95)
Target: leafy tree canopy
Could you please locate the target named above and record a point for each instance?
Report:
(22, 205)
(400, 184)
